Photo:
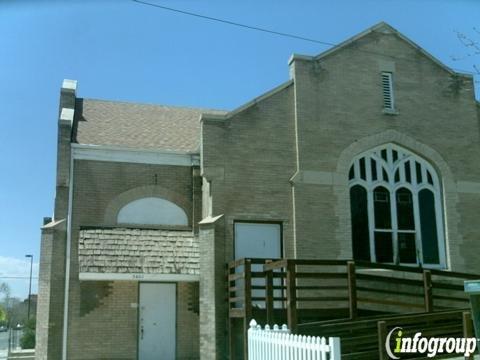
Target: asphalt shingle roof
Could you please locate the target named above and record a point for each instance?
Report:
(133, 125)
(147, 251)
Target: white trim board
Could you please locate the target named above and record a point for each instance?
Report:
(86, 276)
(140, 156)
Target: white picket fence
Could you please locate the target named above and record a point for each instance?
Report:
(279, 344)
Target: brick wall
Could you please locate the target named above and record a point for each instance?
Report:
(286, 156)
(109, 331)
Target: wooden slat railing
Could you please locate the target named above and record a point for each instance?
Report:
(301, 290)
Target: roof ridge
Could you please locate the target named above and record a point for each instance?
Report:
(133, 103)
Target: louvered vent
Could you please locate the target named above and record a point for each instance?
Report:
(387, 88)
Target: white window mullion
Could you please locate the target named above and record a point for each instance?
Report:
(401, 168)
(424, 173)
(371, 223)
(368, 169)
(356, 168)
(413, 174)
(393, 211)
(418, 230)
(440, 233)
(389, 157)
(379, 170)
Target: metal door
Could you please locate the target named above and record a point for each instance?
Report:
(157, 322)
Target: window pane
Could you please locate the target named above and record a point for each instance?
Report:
(406, 248)
(408, 176)
(360, 233)
(418, 169)
(428, 225)
(405, 209)
(385, 175)
(383, 246)
(384, 154)
(394, 155)
(351, 173)
(373, 166)
(362, 169)
(381, 199)
(429, 177)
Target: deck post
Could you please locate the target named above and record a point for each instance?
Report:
(247, 304)
(352, 289)
(467, 329)
(291, 296)
(382, 336)
(269, 296)
(427, 288)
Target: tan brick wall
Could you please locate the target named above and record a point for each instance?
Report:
(331, 113)
(110, 330)
(339, 115)
(187, 321)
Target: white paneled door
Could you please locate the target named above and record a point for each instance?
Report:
(157, 321)
(259, 240)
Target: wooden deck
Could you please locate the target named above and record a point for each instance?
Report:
(358, 301)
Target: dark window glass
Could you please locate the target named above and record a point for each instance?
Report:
(406, 248)
(429, 178)
(405, 218)
(373, 166)
(384, 154)
(383, 246)
(381, 200)
(428, 227)
(408, 175)
(394, 155)
(362, 169)
(418, 169)
(360, 232)
(351, 173)
(385, 175)
(397, 176)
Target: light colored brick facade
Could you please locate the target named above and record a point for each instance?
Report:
(283, 157)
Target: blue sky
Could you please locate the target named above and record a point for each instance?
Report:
(122, 50)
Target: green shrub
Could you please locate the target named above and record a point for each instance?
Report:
(27, 340)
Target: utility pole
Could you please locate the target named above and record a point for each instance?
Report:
(30, 285)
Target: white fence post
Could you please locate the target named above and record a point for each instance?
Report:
(279, 344)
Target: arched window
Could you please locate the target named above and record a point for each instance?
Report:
(396, 209)
(152, 211)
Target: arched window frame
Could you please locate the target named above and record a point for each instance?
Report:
(389, 166)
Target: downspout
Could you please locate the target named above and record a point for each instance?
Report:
(67, 258)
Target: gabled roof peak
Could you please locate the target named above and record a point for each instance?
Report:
(383, 28)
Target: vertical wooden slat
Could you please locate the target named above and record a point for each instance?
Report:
(269, 297)
(231, 338)
(467, 329)
(382, 336)
(291, 296)
(352, 289)
(427, 288)
(247, 304)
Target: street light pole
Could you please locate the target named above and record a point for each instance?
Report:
(30, 285)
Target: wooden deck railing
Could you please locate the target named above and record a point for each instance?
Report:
(298, 291)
